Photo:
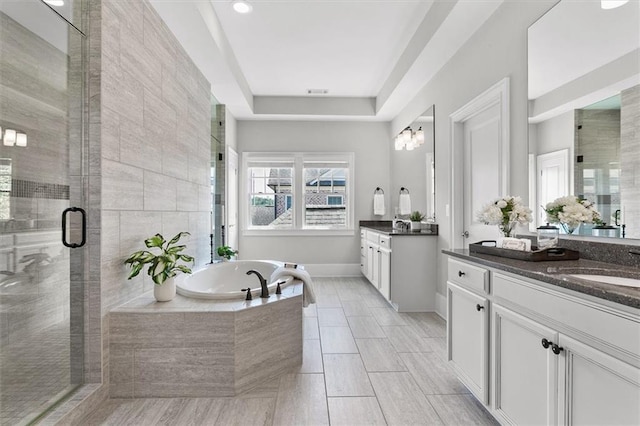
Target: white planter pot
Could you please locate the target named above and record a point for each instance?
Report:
(166, 291)
(416, 226)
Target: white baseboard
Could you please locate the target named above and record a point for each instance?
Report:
(333, 269)
(441, 306)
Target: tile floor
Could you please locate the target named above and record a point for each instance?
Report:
(364, 364)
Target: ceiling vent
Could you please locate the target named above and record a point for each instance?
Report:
(317, 91)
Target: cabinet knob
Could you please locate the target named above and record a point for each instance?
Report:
(546, 343)
(479, 307)
(460, 273)
(557, 349)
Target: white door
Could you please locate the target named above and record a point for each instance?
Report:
(525, 372)
(481, 171)
(232, 199)
(479, 162)
(552, 176)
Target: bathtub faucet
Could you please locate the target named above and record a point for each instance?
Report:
(263, 283)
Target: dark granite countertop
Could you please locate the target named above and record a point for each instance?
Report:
(557, 273)
(388, 230)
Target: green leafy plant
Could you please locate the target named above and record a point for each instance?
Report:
(226, 252)
(416, 216)
(163, 265)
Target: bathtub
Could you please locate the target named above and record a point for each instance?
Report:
(226, 279)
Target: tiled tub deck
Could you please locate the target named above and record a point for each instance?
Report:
(203, 348)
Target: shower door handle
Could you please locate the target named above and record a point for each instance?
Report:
(65, 213)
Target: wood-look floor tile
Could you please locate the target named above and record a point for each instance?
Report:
(310, 328)
(247, 411)
(267, 389)
(404, 339)
(387, 316)
(365, 328)
(345, 375)
(310, 311)
(356, 309)
(432, 374)
(401, 400)
(197, 412)
(301, 401)
(375, 301)
(426, 324)
(355, 411)
(337, 340)
(331, 317)
(311, 357)
(378, 355)
(461, 410)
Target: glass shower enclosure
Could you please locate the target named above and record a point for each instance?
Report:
(42, 163)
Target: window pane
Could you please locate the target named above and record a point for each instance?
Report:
(270, 197)
(325, 197)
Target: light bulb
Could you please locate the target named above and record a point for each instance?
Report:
(612, 4)
(420, 136)
(406, 135)
(242, 6)
(399, 143)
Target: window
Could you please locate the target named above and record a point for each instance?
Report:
(298, 193)
(5, 188)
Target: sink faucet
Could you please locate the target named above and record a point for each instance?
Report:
(263, 283)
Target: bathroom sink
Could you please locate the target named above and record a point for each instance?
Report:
(609, 279)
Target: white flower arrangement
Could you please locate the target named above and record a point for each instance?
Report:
(505, 212)
(571, 211)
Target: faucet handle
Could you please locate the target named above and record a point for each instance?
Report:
(278, 290)
(248, 290)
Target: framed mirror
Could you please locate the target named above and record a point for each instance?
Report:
(584, 112)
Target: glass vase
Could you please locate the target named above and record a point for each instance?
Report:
(569, 229)
(507, 229)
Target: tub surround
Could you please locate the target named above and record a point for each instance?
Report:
(385, 227)
(195, 348)
(556, 273)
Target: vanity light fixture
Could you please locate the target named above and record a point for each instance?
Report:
(242, 6)
(408, 139)
(612, 4)
(55, 3)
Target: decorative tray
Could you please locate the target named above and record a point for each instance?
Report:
(545, 255)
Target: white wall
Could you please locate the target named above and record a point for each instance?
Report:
(371, 145)
(554, 134)
(497, 50)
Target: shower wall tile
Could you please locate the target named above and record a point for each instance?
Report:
(160, 192)
(122, 186)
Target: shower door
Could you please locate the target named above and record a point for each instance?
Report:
(41, 169)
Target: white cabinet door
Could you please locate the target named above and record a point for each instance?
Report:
(371, 254)
(468, 339)
(525, 372)
(363, 257)
(596, 388)
(385, 273)
(375, 267)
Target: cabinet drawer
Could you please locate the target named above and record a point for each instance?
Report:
(385, 241)
(373, 237)
(363, 247)
(469, 276)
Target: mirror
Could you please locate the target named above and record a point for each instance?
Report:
(413, 164)
(584, 112)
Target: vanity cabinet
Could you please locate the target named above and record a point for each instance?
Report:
(554, 357)
(401, 268)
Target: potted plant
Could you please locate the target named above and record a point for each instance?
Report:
(226, 252)
(415, 218)
(163, 267)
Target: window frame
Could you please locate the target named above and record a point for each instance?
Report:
(299, 159)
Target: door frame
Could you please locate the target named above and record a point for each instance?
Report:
(498, 94)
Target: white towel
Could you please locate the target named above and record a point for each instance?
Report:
(308, 295)
(404, 204)
(378, 204)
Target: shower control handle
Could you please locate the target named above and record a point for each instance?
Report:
(65, 213)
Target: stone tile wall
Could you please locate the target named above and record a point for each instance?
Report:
(149, 158)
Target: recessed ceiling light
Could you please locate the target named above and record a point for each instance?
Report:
(242, 6)
(317, 91)
(612, 4)
(56, 3)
